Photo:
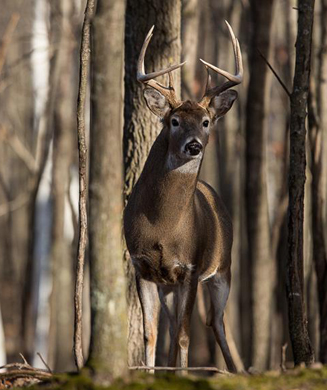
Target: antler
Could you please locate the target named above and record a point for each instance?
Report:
(232, 79)
(168, 92)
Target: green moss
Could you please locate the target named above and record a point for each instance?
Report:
(301, 379)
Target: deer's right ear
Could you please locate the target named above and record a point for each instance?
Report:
(157, 103)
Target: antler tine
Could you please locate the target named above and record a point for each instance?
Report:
(208, 83)
(142, 77)
(232, 79)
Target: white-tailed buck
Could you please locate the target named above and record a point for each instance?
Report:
(178, 231)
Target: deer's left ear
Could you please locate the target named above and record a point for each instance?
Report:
(222, 103)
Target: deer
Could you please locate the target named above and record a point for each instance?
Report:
(178, 231)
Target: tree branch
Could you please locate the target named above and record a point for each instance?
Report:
(275, 73)
(7, 38)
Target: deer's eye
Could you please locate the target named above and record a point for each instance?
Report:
(205, 123)
(174, 122)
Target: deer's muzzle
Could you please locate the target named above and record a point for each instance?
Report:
(193, 148)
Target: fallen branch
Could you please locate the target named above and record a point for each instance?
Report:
(212, 369)
(15, 374)
(23, 374)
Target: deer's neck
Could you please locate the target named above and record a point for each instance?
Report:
(167, 184)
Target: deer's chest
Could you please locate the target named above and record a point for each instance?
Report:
(163, 263)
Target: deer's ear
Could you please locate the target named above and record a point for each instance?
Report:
(222, 103)
(156, 102)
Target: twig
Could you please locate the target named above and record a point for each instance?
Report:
(19, 366)
(283, 358)
(15, 204)
(44, 362)
(212, 369)
(275, 74)
(24, 360)
(11, 27)
(23, 367)
(19, 148)
(82, 148)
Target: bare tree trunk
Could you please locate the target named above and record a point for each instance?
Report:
(82, 158)
(261, 265)
(2, 343)
(317, 133)
(16, 120)
(141, 126)
(190, 26)
(61, 321)
(302, 348)
(108, 349)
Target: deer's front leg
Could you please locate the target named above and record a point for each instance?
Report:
(149, 298)
(181, 339)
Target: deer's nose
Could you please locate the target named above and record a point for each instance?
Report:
(193, 147)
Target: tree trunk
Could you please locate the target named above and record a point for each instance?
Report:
(317, 133)
(108, 351)
(16, 119)
(302, 348)
(190, 33)
(141, 126)
(260, 262)
(62, 315)
(2, 343)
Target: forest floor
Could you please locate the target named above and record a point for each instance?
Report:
(297, 379)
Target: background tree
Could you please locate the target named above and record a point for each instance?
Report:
(302, 348)
(140, 126)
(16, 165)
(258, 233)
(61, 321)
(107, 356)
(317, 132)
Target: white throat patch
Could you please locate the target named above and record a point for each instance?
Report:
(175, 164)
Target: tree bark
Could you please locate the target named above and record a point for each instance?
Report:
(82, 158)
(141, 126)
(108, 350)
(259, 252)
(317, 132)
(302, 348)
(16, 118)
(62, 314)
(2, 343)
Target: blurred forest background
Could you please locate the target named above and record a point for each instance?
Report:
(246, 162)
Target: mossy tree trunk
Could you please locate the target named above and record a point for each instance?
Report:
(108, 352)
(141, 126)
